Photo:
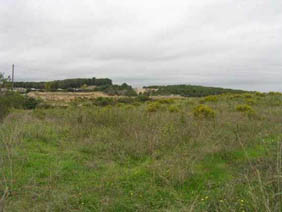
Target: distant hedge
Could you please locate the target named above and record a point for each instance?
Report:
(189, 90)
(65, 84)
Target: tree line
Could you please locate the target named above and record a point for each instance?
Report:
(188, 90)
(64, 84)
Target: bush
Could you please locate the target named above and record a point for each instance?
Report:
(173, 108)
(11, 100)
(103, 101)
(153, 107)
(251, 102)
(30, 103)
(244, 108)
(271, 93)
(211, 99)
(260, 94)
(143, 98)
(126, 100)
(235, 96)
(166, 101)
(203, 111)
(128, 107)
(248, 95)
(43, 105)
(4, 110)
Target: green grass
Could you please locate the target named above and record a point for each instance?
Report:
(120, 158)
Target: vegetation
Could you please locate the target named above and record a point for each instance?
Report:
(119, 90)
(189, 90)
(64, 84)
(138, 154)
(10, 100)
(104, 85)
(203, 111)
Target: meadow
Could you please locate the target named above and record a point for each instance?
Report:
(215, 153)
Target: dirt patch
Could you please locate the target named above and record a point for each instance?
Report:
(65, 96)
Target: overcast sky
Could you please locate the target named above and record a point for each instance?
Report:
(228, 43)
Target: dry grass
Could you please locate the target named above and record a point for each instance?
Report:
(65, 96)
(118, 159)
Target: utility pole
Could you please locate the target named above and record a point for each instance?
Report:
(13, 76)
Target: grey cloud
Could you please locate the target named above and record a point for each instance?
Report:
(210, 42)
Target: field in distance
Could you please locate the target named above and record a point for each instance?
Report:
(65, 96)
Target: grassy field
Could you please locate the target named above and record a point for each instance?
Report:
(218, 153)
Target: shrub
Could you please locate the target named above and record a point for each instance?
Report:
(235, 96)
(211, 99)
(103, 101)
(244, 108)
(173, 108)
(143, 98)
(10, 100)
(271, 93)
(247, 95)
(203, 111)
(128, 107)
(260, 94)
(153, 107)
(166, 101)
(251, 102)
(4, 110)
(126, 100)
(30, 103)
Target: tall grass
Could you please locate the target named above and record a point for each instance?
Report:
(116, 158)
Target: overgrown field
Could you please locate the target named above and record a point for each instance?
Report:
(218, 153)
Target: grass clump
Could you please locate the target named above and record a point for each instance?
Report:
(103, 101)
(209, 99)
(203, 111)
(272, 93)
(250, 102)
(166, 101)
(245, 108)
(173, 109)
(248, 110)
(153, 107)
(143, 98)
(260, 94)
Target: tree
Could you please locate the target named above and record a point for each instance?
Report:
(1, 80)
(50, 86)
(5, 82)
